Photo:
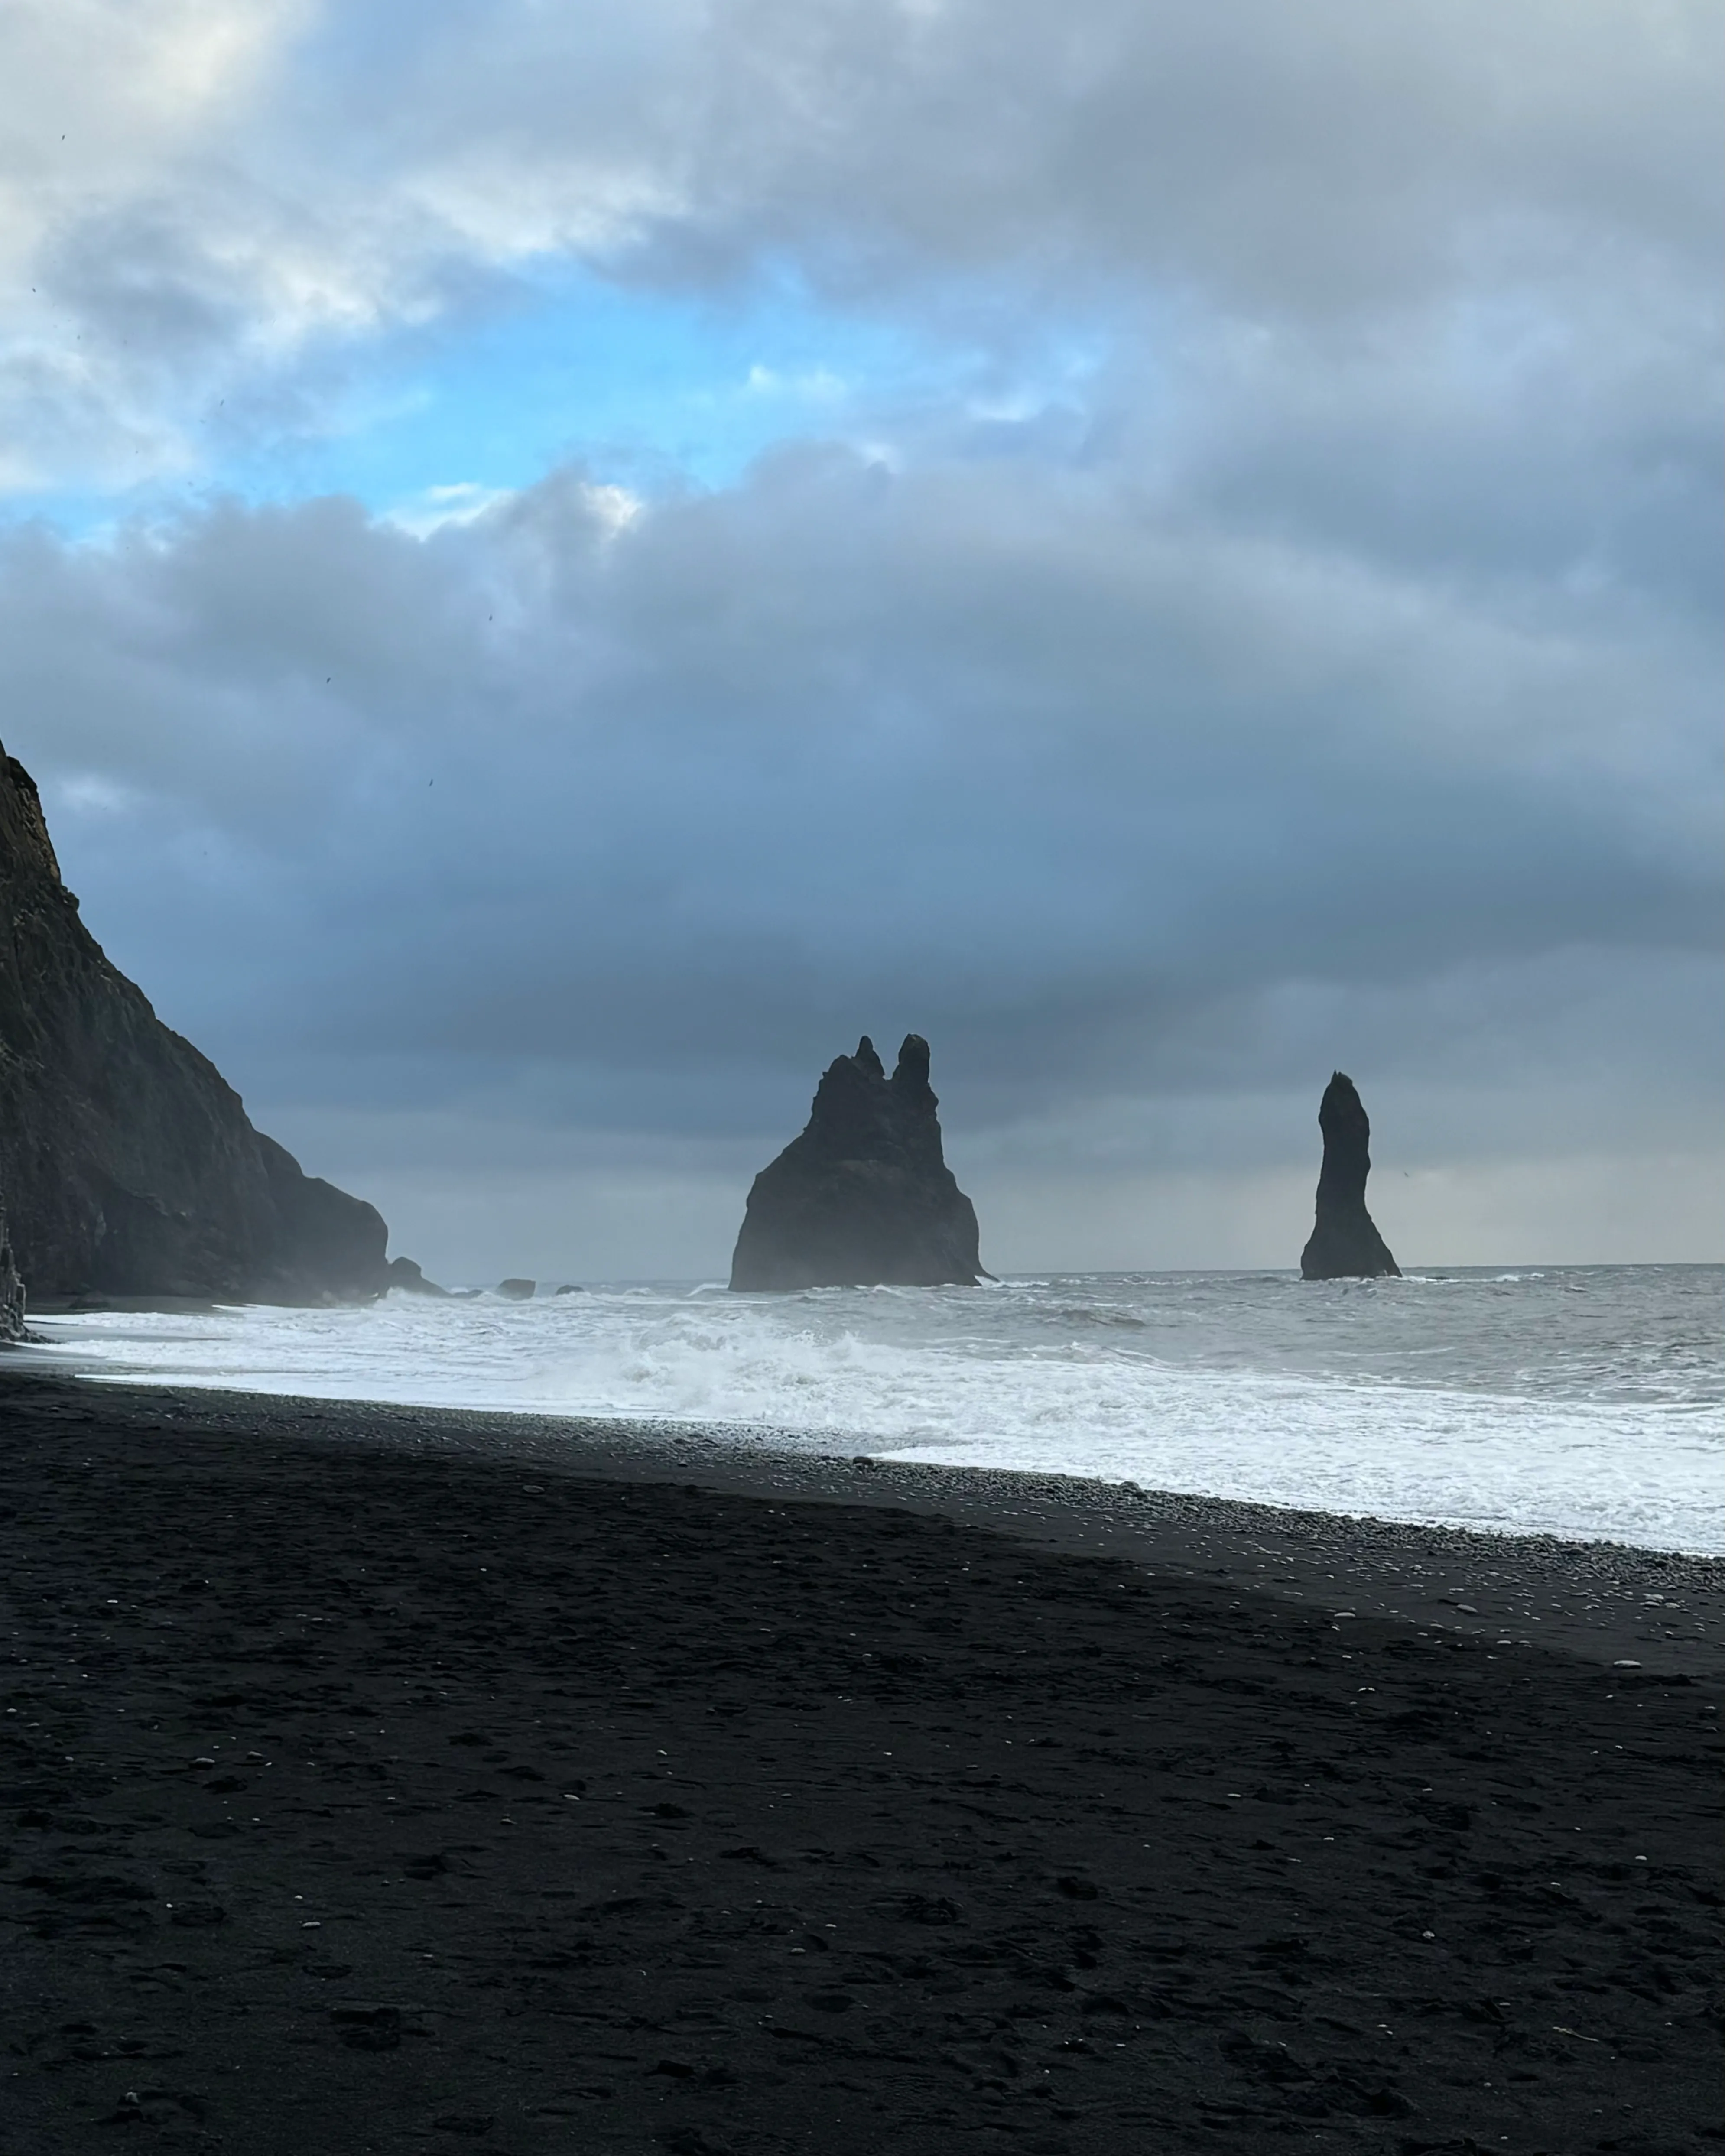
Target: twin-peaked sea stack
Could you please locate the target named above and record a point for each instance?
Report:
(863, 1196)
(127, 1164)
(1345, 1242)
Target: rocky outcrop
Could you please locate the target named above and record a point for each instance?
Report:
(12, 1291)
(1345, 1242)
(863, 1196)
(403, 1274)
(128, 1162)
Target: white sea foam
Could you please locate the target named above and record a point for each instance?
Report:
(1580, 1403)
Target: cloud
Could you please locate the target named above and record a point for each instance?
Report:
(1263, 614)
(240, 189)
(567, 819)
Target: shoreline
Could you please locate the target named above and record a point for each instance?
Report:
(1662, 1610)
(379, 1784)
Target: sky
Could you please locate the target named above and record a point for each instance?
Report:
(558, 563)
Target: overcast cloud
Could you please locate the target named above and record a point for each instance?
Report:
(1268, 621)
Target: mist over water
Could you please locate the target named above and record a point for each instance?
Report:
(1582, 1401)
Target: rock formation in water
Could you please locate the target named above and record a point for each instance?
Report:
(404, 1273)
(863, 1196)
(128, 1163)
(1345, 1242)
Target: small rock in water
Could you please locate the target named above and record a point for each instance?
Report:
(517, 1290)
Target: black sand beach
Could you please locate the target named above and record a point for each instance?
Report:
(377, 1780)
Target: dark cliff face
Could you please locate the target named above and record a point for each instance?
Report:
(1345, 1242)
(863, 1196)
(12, 1291)
(127, 1163)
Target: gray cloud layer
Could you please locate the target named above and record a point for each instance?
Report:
(1329, 675)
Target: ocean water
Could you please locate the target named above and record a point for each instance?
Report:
(1581, 1401)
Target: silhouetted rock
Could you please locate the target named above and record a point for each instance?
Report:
(863, 1196)
(517, 1290)
(128, 1163)
(1345, 1244)
(404, 1273)
(571, 1288)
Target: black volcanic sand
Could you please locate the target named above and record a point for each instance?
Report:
(366, 1792)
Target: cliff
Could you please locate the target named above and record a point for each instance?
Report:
(1345, 1242)
(128, 1164)
(12, 1291)
(864, 1196)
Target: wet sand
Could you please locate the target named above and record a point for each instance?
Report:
(377, 1780)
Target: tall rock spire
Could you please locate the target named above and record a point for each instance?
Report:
(864, 1196)
(1345, 1242)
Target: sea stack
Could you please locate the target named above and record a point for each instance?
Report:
(863, 1196)
(1345, 1242)
(129, 1165)
(403, 1274)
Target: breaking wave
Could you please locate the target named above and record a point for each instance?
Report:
(1578, 1402)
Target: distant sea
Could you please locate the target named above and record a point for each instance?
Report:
(1582, 1401)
